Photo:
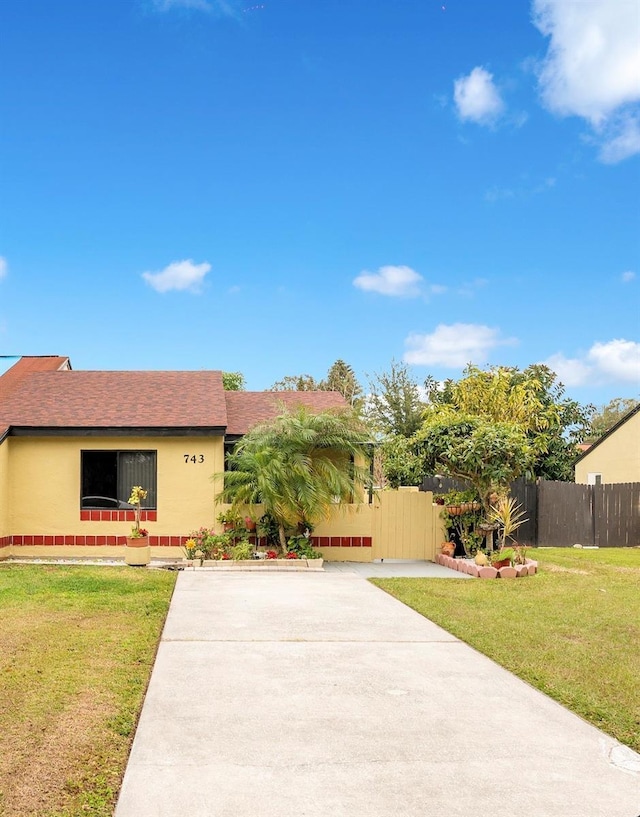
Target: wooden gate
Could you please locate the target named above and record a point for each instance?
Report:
(405, 525)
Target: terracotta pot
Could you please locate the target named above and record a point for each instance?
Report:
(501, 563)
(249, 523)
(454, 510)
(137, 552)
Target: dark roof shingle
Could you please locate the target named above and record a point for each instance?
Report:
(246, 408)
(117, 399)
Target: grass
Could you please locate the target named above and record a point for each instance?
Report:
(572, 631)
(78, 644)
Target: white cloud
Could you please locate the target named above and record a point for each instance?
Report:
(627, 276)
(621, 139)
(180, 275)
(592, 68)
(570, 371)
(616, 361)
(4, 267)
(396, 281)
(221, 8)
(453, 345)
(167, 5)
(477, 98)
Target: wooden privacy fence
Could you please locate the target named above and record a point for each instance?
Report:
(563, 514)
(404, 525)
(602, 515)
(400, 524)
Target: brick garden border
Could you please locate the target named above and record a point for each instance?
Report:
(469, 567)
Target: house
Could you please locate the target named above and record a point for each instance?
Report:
(72, 443)
(615, 457)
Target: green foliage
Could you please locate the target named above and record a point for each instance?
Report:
(233, 381)
(532, 399)
(394, 406)
(342, 378)
(301, 545)
(296, 382)
(489, 455)
(242, 549)
(464, 523)
(607, 416)
(401, 463)
(297, 466)
(508, 513)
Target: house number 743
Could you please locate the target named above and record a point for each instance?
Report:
(193, 458)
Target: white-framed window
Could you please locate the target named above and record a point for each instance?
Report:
(594, 478)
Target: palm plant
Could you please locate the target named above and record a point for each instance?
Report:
(508, 513)
(297, 466)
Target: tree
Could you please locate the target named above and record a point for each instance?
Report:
(401, 461)
(296, 382)
(342, 378)
(394, 406)
(297, 465)
(607, 416)
(486, 453)
(233, 381)
(533, 399)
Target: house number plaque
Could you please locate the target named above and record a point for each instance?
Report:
(194, 458)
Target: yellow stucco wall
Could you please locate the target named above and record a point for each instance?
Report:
(617, 457)
(5, 530)
(44, 489)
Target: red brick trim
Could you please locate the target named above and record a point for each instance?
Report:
(104, 540)
(342, 542)
(111, 540)
(117, 516)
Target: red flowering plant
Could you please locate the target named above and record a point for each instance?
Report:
(271, 554)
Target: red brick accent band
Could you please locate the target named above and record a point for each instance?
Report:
(156, 541)
(101, 541)
(117, 516)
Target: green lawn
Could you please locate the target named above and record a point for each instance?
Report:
(572, 631)
(77, 647)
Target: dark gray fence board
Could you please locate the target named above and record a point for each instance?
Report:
(563, 514)
(616, 511)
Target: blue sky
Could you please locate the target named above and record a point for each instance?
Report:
(267, 187)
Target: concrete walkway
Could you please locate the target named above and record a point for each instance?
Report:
(319, 695)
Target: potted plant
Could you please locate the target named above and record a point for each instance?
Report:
(230, 520)
(507, 516)
(137, 551)
(502, 558)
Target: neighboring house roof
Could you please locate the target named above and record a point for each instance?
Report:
(611, 431)
(123, 400)
(23, 368)
(44, 395)
(246, 408)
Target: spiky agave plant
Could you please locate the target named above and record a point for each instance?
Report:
(507, 513)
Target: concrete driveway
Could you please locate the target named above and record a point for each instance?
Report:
(319, 695)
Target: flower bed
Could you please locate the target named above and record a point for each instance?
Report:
(469, 567)
(290, 565)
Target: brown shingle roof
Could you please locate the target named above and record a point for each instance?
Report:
(43, 392)
(23, 368)
(116, 399)
(246, 408)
